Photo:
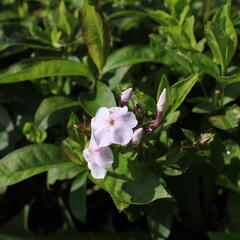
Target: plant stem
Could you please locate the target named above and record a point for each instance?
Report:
(207, 5)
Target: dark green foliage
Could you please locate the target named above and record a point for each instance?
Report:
(63, 60)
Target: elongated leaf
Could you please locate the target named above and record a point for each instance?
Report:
(34, 69)
(129, 183)
(64, 172)
(202, 61)
(221, 36)
(223, 236)
(163, 18)
(180, 90)
(95, 35)
(228, 121)
(127, 14)
(176, 7)
(78, 203)
(129, 55)
(54, 110)
(29, 161)
(103, 97)
(160, 219)
(229, 79)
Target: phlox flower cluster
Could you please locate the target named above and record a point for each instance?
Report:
(115, 125)
(109, 126)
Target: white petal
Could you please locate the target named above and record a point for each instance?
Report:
(162, 102)
(118, 111)
(126, 95)
(122, 135)
(86, 155)
(101, 117)
(104, 157)
(128, 120)
(97, 171)
(102, 136)
(137, 136)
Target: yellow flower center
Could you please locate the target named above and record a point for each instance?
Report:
(90, 152)
(111, 122)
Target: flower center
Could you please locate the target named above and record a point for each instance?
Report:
(90, 153)
(111, 122)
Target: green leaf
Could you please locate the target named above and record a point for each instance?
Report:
(160, 219)
(188, 28)
(33, 134)
(231, 93)
(78, 203)
(126, 14)
(102, 97)
(7, 15)
(63, 17)
(233, 212)
(34, 69)
(79, 181)
(95, 35)
(225, 81)
(180, 90)
(176, 7)
(221, 37)
(28, 161)
(38, 33)
(119, 75)
(228, 120)
(163, 18)
(73, 132)
(65, 172)
(73, 151)
(231, 151)
(145, 102)
(127, 182)
(172, 118)
(4, 140)
(188, 134)
(202, 61)
(130, 55)
(223, 236)
(54, 110)
(5, 120)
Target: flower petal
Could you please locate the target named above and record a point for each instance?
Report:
(118, 111)
(86, 155)
(128, 120)
(101, 117)
(137, 136)
(96, 170)
(104, 157)
(121, 135)
(102, 136)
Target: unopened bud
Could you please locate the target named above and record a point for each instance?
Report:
(137, 136)
(149, 130)
(162, 102)
(126, 95)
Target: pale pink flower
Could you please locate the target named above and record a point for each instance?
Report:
(98, 159)
(137, 136)
(126, 95)
(113, 126)
(162, 102)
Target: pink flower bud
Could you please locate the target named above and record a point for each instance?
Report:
(149, 130)
(126, 95)
(137, 136)
(162, 102)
